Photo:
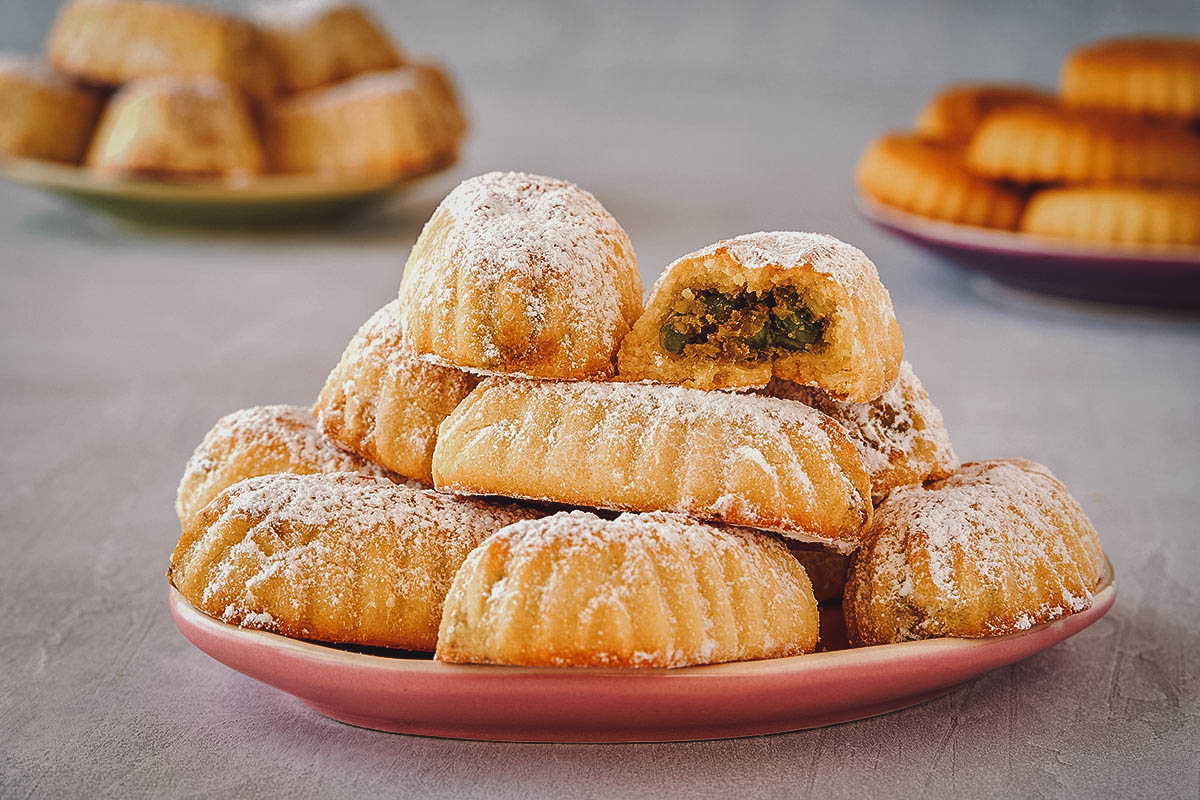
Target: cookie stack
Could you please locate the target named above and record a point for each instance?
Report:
(165, 91)
(1113, 157)
(515, 462)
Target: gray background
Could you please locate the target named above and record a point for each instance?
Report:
(120, 345)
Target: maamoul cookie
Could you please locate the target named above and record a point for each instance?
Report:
(1037, 144)
(400, 122)
(900, 434)
(385, 403)
(43, 115)
(112, 42)
(996, 548)
(521, 274)
(316, 42)
(826, 568)
(333, 558)
(801, 306)
(260, 441)
(746, 460)
(1159, 76)
(1116, 215)
(956, 111)
(177, 128)
(930, 178)
(643, 590)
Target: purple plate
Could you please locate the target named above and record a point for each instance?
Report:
(1156, 276)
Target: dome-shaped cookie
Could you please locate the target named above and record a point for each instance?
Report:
(746, 460)
(400, 122)
(385, 403)
(316, 42)
(643, 590)
(1033, 144)
(112, 42)
(900, 434)
(43, 115)
(177, 127)
(1140, 75)
(1128, 215)
(930, 178)
(996, 548)
(954, 113)
(801, 306)
(334, 558)
(521, 274)
(260, 441)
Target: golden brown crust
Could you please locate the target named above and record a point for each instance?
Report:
(43, 115)
(317, 43)
(333, 558)
(400, 122)
(1038, 144)
(521, 274)
(260, 441)
(858, 356)
(177, 127)
(112, 42)
(746, 460)
(900, 434)
(996, 548)
(956, 111)
(1131, 215)
(384, 403)
(643, 590)
(1145, 75)
(930, 178)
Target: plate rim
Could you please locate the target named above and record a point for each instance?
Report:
(1012, 243)
(64, 177)
(1103, 597)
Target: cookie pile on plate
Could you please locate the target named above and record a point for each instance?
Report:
(165, 91)
(515, 462)
(1113, 157)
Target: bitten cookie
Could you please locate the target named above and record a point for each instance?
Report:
(333, 558)
(1143, 75)
(747, 460)
(930, 178)
(996, 548)
(383, 402)
(801, 306)
(1037, 144)
(521, 274)
(900, 434)
(260, 441)
(643, 590)
(1130, 215)
(43, 115)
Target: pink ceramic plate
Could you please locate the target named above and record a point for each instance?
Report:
(1161, 276)
(409, 694)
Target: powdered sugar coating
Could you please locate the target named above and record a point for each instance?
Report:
(900, 435)
(643, 590)
(521, 274)
(340, 557)
(258, 441)
(748, 460)
(995, 548)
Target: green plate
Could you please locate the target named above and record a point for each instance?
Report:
(270, 199)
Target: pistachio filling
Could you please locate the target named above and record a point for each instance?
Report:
(748, 326)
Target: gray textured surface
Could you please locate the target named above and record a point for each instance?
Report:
(119, 346)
